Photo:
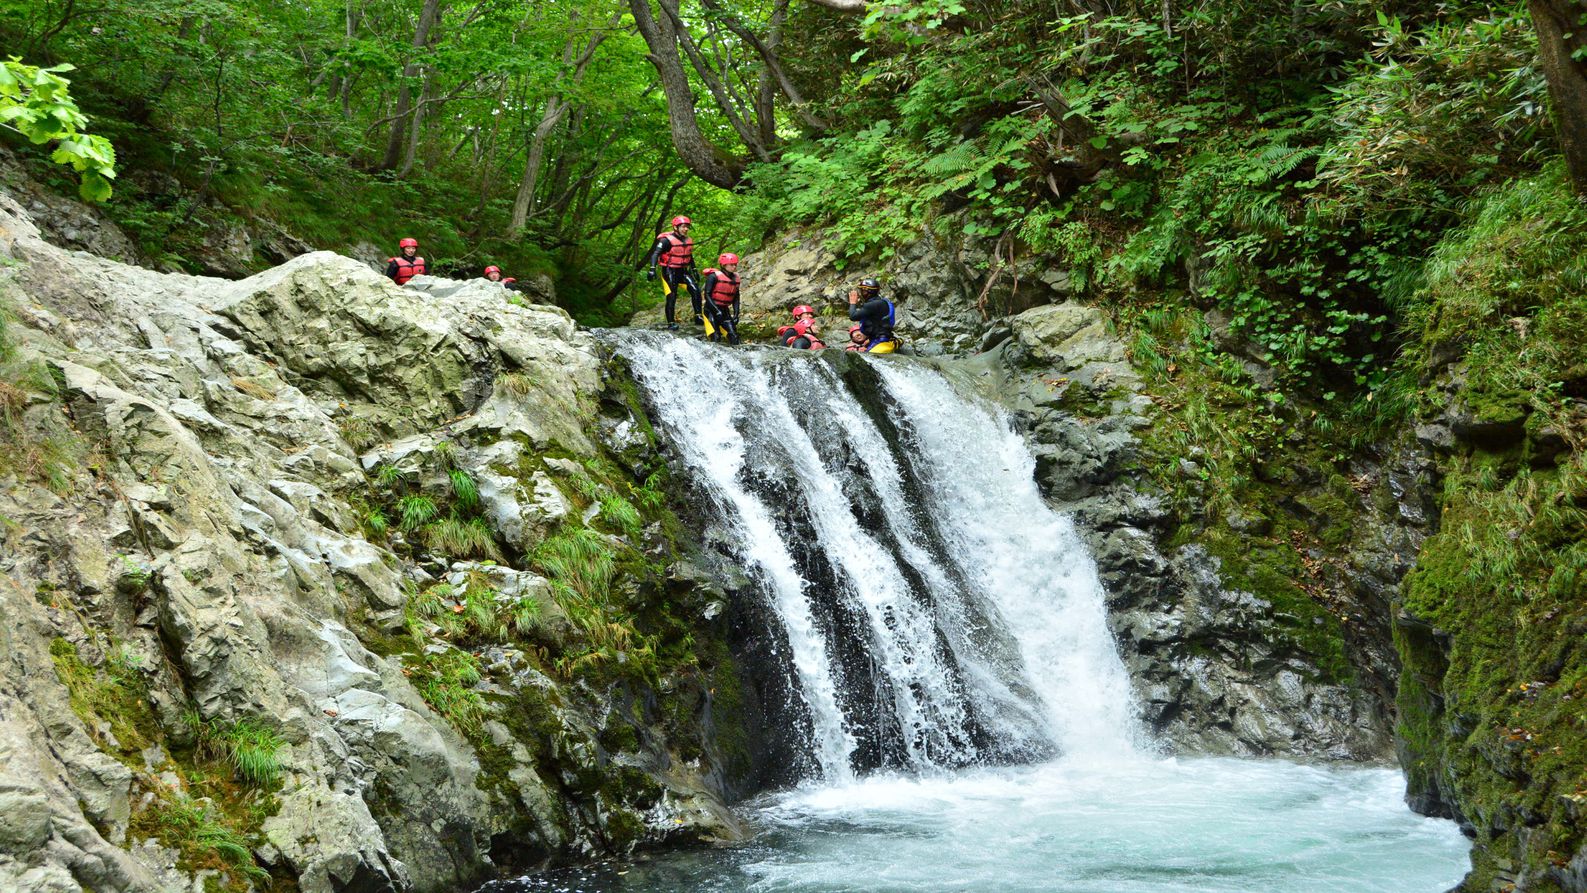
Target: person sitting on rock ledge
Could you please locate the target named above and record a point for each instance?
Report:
(493, 273)
(876, 316)
(407, 264)
(805, 333)
(857, 339)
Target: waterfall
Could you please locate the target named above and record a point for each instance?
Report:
(931, 611)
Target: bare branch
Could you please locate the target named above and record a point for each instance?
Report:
(768, 56)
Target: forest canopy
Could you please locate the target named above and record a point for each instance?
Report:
(1290, 161)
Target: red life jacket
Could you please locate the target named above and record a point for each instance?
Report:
(798, 330)
(407, 269)
(680, 250)
(724, 291)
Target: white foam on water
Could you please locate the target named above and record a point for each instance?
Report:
(1025, 558)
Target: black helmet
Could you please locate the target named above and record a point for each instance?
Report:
(870, 286)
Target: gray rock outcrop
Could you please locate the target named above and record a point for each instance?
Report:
(201, 560)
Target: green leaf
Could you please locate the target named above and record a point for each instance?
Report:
(95, 187)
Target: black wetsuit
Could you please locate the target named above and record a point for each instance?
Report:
(876, 319)
(670, 243)
(721, 304)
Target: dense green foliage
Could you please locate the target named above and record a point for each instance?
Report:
(281, 115)
(1288, 163)
(1507, 572)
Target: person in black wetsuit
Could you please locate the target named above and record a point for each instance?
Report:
(407, 264)
(674, 253)
(721, 290)
(876, 316)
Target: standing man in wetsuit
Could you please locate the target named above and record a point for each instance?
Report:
(875, 314)
(407, 264)
(674, 253)
(721, 299)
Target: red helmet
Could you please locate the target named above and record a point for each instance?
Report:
(408, 243)
(728, 258)
(493, 269)
(802, 309)
(854, 328)
(509, 279)
(681, 220)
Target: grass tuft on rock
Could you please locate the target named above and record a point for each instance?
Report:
(249, 746)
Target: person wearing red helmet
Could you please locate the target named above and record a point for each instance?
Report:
(721, 299)
(805, 333)
(493, 273)
(407, 264)
(857, 340)
(674, 253)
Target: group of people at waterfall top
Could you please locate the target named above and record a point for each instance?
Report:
(715, 301)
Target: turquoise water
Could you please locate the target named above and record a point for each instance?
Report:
(1137, 825)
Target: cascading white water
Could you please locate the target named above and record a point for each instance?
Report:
(1026, 559)
(986, 635)
(935, 615)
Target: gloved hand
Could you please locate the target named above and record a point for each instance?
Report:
(650, 274)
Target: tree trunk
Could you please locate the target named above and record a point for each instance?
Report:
(417, 127)
(707, 161)
(396, 142)
(522, 204)
(344, 83)
(718, 90)
(1562, 47)
(557, 106)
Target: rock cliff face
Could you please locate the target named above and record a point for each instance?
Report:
(273, 562)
